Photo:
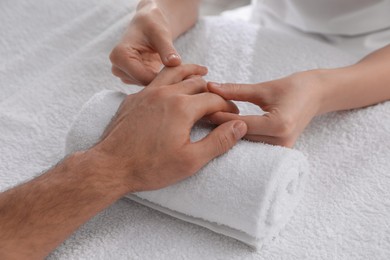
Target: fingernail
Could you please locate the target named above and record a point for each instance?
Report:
(239, 130)
(173, 56)
(215, 84)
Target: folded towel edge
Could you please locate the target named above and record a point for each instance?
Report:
(213, 226)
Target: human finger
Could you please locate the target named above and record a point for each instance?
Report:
(281, 141)
(130, 62)
(162, 42)
(193, 85)
(122, 75)
(267, 124)
(206, 103)
(219, 141)
(169, 75)
(240, 92)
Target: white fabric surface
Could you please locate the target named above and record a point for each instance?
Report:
(359, 27)
(248, 193)
(56, 60)
(347, 17)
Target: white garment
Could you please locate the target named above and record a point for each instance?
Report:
(357, 26)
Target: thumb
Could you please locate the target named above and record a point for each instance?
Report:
(168, 54)
(220, 140)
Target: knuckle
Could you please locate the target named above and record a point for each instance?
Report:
(234, 88)
(115, 71)
(159, 92)
(186, 70)
(153, 95)
(179, 102)
(285, 127)
(197, 81)
(116, 53)
(202, 82)
(224, 143)
(192, 81)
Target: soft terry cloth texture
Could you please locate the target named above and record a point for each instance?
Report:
(248, 193)
(57, 60)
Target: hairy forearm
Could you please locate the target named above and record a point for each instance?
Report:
(182, 14)
(37, 216)
(360, 85)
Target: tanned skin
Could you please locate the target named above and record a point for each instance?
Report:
(37, 216)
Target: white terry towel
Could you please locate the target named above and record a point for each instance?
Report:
(345, 213)
(248, 194)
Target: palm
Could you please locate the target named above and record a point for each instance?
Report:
(149, 59)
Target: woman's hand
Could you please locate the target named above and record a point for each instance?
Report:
(146, 45)
(290, 104)
(148, 146)
(293, 101)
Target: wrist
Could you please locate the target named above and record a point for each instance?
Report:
(331, 85)
(179, 16)
(157, 12)
(98, 174)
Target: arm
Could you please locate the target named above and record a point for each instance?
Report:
(181, 15)
(37, 216)
(147, 44)
(293, 101)
(362, 84)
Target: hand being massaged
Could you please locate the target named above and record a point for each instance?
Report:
(175, 100)
(38, 215)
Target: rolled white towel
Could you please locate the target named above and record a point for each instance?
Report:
(248, 193)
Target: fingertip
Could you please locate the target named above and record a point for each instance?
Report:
(239, 129)
(222, 139)
(205, 70)
(172, 60)
(198, 69)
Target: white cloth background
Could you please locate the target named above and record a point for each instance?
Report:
(54, 58)
(359, 27)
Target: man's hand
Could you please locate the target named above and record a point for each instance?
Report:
(148, 146)
(147, 44)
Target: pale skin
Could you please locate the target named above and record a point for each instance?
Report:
(37, 216)
(317, 91)
(147, 44)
